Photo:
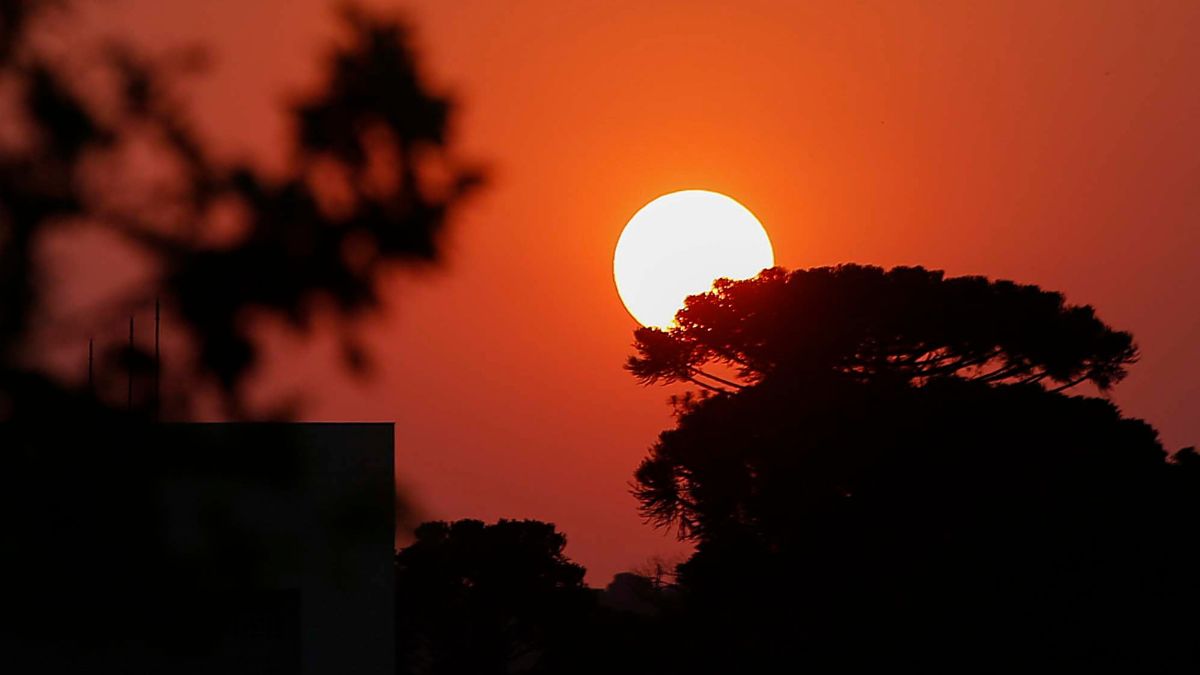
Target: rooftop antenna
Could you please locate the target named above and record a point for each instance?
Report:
(129, 400)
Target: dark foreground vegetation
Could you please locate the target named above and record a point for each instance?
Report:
(884, 470)
(879, 469)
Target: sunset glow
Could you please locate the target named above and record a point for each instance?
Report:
(1053, 144)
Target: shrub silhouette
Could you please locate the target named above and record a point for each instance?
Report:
(477, 598)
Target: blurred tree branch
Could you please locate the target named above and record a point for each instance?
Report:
(371, 184)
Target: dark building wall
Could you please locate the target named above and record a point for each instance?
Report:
(200, 547)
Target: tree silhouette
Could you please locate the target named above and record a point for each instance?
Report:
(228, 242)
(477, 598)
(907, 323)
(895, 475)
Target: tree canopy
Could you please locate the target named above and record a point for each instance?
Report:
(907, 323)
(896, 457)
(479, 598)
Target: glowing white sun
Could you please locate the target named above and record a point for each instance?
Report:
(678, 245)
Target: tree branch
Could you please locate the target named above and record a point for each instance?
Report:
(722, 380)
(708, 386)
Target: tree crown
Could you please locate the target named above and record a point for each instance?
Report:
(907, 323)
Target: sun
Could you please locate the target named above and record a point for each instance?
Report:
(678, 245)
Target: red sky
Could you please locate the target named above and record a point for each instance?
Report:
(1052, 143)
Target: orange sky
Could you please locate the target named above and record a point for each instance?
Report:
(1053, 143)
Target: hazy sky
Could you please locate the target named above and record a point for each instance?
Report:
(1052, 143)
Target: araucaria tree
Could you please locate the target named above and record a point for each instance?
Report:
(894, 467)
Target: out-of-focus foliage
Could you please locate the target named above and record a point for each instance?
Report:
(370, 183)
